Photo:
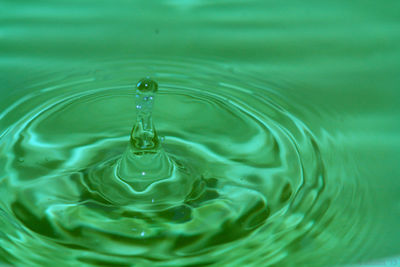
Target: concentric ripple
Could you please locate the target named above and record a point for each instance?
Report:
(255, 188)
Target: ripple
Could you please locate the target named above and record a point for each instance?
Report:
(256, 189)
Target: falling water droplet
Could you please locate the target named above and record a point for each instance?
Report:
(144, 136)
(144, 162)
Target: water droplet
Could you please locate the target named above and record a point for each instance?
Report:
(147, 85)
(142, 233)
(144, 161)
(144, 136)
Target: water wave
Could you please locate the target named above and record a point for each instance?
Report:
(258, 187)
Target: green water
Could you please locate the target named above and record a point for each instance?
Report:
(273, 138)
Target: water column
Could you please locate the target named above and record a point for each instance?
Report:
(144, 161)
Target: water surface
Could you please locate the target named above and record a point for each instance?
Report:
(295, 105)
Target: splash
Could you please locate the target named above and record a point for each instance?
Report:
(144, 161)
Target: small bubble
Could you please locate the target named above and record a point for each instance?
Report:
(152, 200)
(143, 173)
(142, 233)
(138, 106)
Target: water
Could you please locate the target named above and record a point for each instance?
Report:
(273, 137)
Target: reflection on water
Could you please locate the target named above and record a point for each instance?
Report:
(316, 83)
